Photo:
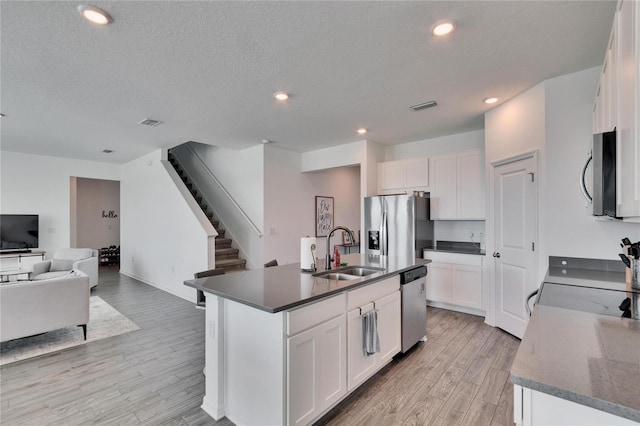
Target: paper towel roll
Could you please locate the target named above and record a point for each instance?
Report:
(307, 261)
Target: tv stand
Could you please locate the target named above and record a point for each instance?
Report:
(18, 256)
(13, 251)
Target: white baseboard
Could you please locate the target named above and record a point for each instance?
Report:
(457, 308)
(211, 409)
(188, 293)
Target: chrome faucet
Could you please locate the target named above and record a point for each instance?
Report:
(344, 228)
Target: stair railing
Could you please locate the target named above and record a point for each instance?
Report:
(225, 192)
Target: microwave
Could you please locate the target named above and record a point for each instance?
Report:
(603, 155)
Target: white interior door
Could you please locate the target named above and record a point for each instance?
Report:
(515, 223)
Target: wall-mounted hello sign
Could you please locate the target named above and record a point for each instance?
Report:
(111, 214)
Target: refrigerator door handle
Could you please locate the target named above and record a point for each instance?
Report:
(383, 234)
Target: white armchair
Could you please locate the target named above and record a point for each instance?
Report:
(66, 260)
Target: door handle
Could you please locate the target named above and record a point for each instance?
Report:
(496, 254)
(583, 183)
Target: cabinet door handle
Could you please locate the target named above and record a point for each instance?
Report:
(496, 254)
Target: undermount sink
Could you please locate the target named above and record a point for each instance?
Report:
(348, 273)
(337, 276)
(359, 271)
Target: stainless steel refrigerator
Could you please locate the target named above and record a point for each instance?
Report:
(397, 225)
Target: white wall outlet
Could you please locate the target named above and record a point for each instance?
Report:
(272, 231)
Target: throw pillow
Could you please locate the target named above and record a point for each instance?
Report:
(61, 265)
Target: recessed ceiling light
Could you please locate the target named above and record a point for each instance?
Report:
(442, 28)
(94, 14)
(281, 96)
(266, 141)
(361, 131)
(490, 100)
(107, 151)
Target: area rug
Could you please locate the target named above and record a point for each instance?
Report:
(104, 321)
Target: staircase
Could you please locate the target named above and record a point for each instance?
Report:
(227, 258)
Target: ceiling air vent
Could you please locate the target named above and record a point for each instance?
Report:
(424, 105)
(150, 122)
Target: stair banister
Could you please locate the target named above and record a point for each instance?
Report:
(224, 190)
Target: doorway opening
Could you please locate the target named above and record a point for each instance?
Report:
(95, 217)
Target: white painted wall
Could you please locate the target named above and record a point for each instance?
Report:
(243, 230)
(95, 199)
(571, 229)
(162, 241)
(459, 230)
(513, 128)
(240, 172)
(37, 184)
(365, 153)
(467, 141)
(290, 202)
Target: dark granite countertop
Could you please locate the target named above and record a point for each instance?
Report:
(612, 280)
(586, 358)
(284, 287)
(460, 247)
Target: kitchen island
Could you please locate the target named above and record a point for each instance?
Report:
(579, 361)
(284, 347)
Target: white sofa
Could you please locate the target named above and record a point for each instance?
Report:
(34, 307)
(66, 260)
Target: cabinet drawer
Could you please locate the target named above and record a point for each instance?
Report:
(314, 314)
(371, 292)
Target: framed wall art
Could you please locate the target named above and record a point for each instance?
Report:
(324, 216)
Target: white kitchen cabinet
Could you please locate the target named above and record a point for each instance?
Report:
(417, 173)
(359, 366)
(392, 175)
(304, 386)
(454, 281)
(317, 365)
(333, 361)
(403, 175)
(531, 407)
(627, 27)
(444, 195)
(457, 186)
(389, 324)
(466, 286)
(439, 282)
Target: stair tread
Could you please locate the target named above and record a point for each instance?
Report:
(230, 262)
(227, 251)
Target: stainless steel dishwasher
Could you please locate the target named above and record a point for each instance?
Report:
(414, 306)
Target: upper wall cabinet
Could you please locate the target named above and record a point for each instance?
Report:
(457, 187)
(403, 175)
(617, 105)
(626, 30)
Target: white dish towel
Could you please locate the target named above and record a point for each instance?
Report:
(370, 341)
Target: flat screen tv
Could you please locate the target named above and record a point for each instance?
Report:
(18, 232)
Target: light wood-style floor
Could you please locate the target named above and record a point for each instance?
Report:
(153, 376)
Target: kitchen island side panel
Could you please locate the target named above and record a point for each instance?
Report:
(254, 365)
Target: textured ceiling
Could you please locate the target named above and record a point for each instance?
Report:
(208, 70)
